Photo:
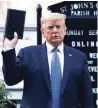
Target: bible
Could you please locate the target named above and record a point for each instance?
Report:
(15, 20)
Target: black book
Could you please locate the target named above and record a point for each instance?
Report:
(14, 23)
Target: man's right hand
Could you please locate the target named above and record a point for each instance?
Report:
(10, 44)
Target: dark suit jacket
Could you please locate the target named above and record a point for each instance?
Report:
(31, 65)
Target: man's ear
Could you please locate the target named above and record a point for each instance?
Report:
(65, 30)
(42, 31)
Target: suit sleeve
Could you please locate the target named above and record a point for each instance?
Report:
(13, 67)
(86, 88)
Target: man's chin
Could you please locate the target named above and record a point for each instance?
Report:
(56, 42)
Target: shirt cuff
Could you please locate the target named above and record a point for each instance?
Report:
(6, 49)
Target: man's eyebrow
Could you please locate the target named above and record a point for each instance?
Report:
(50, 26)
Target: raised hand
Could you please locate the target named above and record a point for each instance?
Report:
(7, 43)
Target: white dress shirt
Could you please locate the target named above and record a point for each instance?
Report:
(60, 54)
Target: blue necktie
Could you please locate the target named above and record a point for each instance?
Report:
(55, 79)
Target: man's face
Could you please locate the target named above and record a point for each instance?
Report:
(54, 31)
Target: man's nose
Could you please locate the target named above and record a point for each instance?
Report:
(54, 29)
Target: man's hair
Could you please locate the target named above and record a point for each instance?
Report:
(52, 16)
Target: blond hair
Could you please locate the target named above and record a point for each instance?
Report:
(52, 16)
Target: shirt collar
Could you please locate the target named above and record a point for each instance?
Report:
(50, 47)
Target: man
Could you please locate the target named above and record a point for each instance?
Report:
(55, 75)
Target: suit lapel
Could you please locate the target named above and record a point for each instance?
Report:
(45, 66)
(66, 71)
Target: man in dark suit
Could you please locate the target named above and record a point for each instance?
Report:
(55, 75)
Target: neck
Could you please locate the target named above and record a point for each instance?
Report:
(56, 44)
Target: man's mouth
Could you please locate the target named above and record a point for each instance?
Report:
(55, 37)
